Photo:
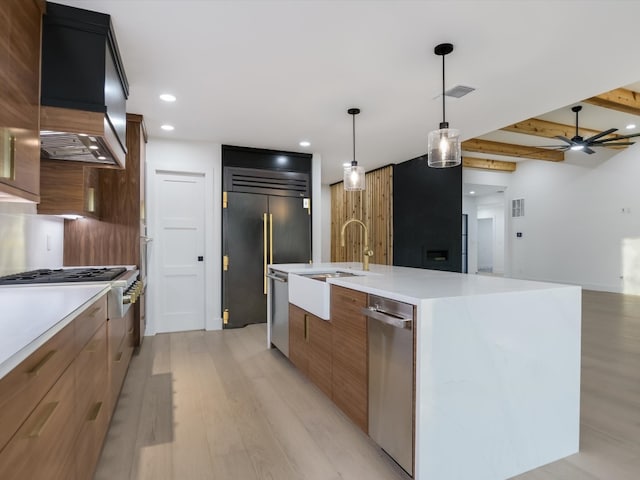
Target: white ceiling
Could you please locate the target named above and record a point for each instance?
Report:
(269, 73)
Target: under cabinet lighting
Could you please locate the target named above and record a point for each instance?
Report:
(167, 97)
(70, 217)
(167, 128)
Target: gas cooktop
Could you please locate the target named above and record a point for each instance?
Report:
(63, 275)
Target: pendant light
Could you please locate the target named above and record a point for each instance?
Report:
(354, 177)
(444, 148)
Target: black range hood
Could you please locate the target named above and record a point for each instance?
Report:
(84, 88)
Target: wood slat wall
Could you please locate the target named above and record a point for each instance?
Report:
(374, 207)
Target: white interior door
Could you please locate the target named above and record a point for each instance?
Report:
(180, 249)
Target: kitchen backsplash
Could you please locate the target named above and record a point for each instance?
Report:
(28, 241)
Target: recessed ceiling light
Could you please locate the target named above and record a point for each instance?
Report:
(93, 147)
(305, 143)
(102, 157)
(631, 126)
(168, 128)
(167, 97)
(472, 192)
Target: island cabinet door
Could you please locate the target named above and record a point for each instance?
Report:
(349, 379)
(298, 349)
(319, 340)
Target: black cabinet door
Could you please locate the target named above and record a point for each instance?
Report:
(291, 230)
(252, 222)
(243, 242)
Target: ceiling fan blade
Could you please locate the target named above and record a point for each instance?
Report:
(564, 139)
(588, 150)
(611, 143)
(619, 137)
(601, 134)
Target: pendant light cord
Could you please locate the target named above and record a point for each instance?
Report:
(443, 117)
(353, 117)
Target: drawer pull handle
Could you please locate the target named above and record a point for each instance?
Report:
(130, 331)
(47, 412)
(95, 411)
(94, 311)
(118, 357)
(38, 366)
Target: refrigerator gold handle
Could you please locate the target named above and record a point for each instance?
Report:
(271, 238)
(264, 253)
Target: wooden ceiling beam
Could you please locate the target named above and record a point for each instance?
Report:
(486, 164)
(511, 150)
(620, 99)
(544, 128)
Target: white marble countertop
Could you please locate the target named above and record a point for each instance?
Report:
(412, 285)
(32, 314)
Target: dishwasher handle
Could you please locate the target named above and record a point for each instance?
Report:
(278, 278)
(389, 319)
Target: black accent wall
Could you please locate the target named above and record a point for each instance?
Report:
(427, 216)
(247, 157)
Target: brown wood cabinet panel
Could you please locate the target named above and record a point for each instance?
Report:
(310, 346)
(349, 354)
(298, 338)
(120, 332)
(92, 402)
(42, 448)
(319, 364)
(23, 387)
(68, 188)
(20, 33)
(89, 321)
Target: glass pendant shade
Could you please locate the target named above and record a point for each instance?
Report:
(354, 178)
(444, 148)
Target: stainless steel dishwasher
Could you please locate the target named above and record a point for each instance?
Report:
(280, 310)
(390, 338)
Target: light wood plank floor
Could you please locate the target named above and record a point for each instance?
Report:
(219, 405)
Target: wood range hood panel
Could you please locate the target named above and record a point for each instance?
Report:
(84, 88)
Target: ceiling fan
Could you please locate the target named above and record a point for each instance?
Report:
(586, 144)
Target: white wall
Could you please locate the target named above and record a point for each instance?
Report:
(493, 207)
(575, 229)
(29, 241)
(198, 158)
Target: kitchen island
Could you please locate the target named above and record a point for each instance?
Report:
(497, 365)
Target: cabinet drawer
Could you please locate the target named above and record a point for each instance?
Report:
(24, 386)
(119, 361)
(42, 448)
(89, 321)
(92, 403)
(117, 329)
(91, 369)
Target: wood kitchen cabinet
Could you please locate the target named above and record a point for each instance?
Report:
(349, 371)
(92, 402)
(120, 332)
(310, 346)
(20, 32)
(68, 188)
(48, 399)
